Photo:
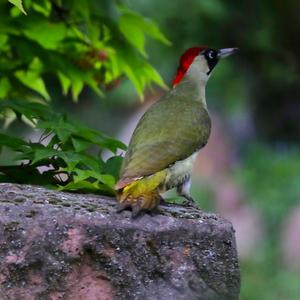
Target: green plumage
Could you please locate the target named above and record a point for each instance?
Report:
(164, 145)
(174, 128)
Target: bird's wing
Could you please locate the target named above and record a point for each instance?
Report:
(171, 130)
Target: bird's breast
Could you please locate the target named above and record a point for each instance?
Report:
(179, 172)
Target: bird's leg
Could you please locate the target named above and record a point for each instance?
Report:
(184, 191)
(146, 202)
(189, 201)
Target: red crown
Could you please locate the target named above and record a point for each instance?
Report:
(186, 60)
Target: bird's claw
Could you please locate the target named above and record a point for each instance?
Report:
(191, 203)
(139, 205)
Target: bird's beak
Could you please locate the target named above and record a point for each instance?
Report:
(226, 52)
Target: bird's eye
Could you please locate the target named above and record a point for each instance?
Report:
(211, 55)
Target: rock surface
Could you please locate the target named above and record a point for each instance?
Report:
(56, 245)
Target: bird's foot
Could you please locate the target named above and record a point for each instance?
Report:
(139, 205)
(190, 202)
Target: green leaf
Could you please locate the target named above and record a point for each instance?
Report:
(47, 34)
(63, 129)
(33, 81)
(36, 66)
(90, 81)
(147, 74)
(89, 161)
(3, 40)
(133, 78)
(40, 154)
(5, 87)
(94, 33)
(83, 175)
(43, 7)
(31, 78)
(129, 25)
(66, 129)
(108, 180)
(99, 139)
(134, 27)
(19, 5)
(15, 12)
(112, 144)
(151, 29)
(32, 110)
(113, 166)
(64, 81)
(12, 142)
(81, 186)
(80, 144)
(76, 88)
(73, 159)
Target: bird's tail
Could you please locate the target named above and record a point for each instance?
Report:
(141, 194)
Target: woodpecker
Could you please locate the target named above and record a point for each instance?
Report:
(168, 137)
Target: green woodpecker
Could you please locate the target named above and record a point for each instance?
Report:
(168, 137)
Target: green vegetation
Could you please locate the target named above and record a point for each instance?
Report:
(271, 180)
(78, 44)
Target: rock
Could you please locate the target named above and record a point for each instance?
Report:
(56, 245)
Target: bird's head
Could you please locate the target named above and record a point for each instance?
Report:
(198, 62)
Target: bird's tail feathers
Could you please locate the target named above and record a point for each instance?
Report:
(141, 194)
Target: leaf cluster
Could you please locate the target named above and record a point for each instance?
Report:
(67, 155)
(79, 44)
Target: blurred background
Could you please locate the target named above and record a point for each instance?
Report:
(250, 170)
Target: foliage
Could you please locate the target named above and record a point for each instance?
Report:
(278, 181)
(271, 180)
(271, 183)
(77, 43)
(64, 160)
